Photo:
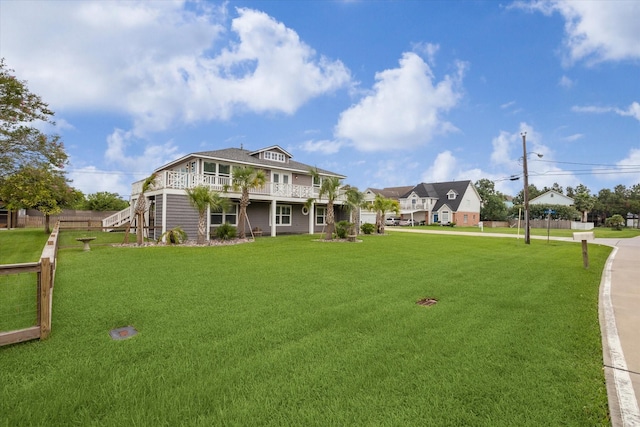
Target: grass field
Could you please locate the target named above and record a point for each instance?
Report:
(599, 232)
(291, 331)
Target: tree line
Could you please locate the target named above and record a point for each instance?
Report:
(597, 208)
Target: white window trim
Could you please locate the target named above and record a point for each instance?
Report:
(224, 213)
(279, 215)
(275, 156)
(324, 216)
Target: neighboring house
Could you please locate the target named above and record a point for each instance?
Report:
(439, 202)
(390, 193)
(276, 208)
(552, 197)
(8, 219)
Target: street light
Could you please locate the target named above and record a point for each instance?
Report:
(527, 235)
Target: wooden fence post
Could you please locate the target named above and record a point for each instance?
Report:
(584, 237)
(45, 298)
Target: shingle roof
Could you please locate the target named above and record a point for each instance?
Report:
(439, 190)
(240, 155)
(391, 192)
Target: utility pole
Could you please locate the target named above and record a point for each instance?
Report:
(527, 236)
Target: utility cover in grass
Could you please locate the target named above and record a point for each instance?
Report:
(427, 302)
(123, 333)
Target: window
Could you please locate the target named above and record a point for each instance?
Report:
(230, 216)
(451, 195)
(283, 214)
(465, 218)
(224, 170)
(280, 178)
(275, 156)
(321, 216)
(209, 168)
(317, 181)
(445, 217)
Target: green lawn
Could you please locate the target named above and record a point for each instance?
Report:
(290, 331)
(22, 245)
(599, 232)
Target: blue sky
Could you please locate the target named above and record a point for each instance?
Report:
(388, 93)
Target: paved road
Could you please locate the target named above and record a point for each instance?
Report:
(619, 310)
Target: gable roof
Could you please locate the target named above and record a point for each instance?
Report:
(242, 156)
(391, 192)
(552, 194)
(439, 191)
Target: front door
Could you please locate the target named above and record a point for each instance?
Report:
(435, 217)
(281, 183)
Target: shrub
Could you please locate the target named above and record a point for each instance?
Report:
(616, 222)
(175, 236)
(452, 224)
(342, 229)
(368, 228)
(226, 232)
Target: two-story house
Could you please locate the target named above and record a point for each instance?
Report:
(439, 202)
(279, 207)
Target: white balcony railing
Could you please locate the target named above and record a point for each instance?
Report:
(183, 180)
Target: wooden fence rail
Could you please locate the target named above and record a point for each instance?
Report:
(45, 269)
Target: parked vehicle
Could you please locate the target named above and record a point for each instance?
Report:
(392, 221)
(406, 222)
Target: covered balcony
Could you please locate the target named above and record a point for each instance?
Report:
(182, 180)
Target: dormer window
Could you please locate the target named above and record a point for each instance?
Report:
(274, 156)
(451, 195)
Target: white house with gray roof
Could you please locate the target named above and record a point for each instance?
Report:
(276, 208)
(438, 202)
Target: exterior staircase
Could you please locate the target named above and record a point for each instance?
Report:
(116, 220)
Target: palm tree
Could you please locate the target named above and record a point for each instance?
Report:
(201, 197)
(381, 205)
(354, 200)
(141, 207)
(330, 187)
(244, 179)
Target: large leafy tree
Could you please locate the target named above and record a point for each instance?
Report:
(329, 188)
(42, 188)
(201, 198)
(493, 206)
(104, 201)
(381, 205)
(245, 179)
(21, 143)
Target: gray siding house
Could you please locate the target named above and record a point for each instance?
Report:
(276, 208)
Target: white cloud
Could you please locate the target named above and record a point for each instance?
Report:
(566, 82)
(152, 155)
(632, 111)
(90, 179)
(162, 62)
(323, 146)
(427, 49)
(596, 31)
(574, 137)
(443, 168)
(405, 108)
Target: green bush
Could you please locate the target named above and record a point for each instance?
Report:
(175, 236)
(342, 229)
(368, 228)
(616, 222)
(226, 232)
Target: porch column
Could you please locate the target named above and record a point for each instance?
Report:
(273, 218)
(312, 214)
(164, 215)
